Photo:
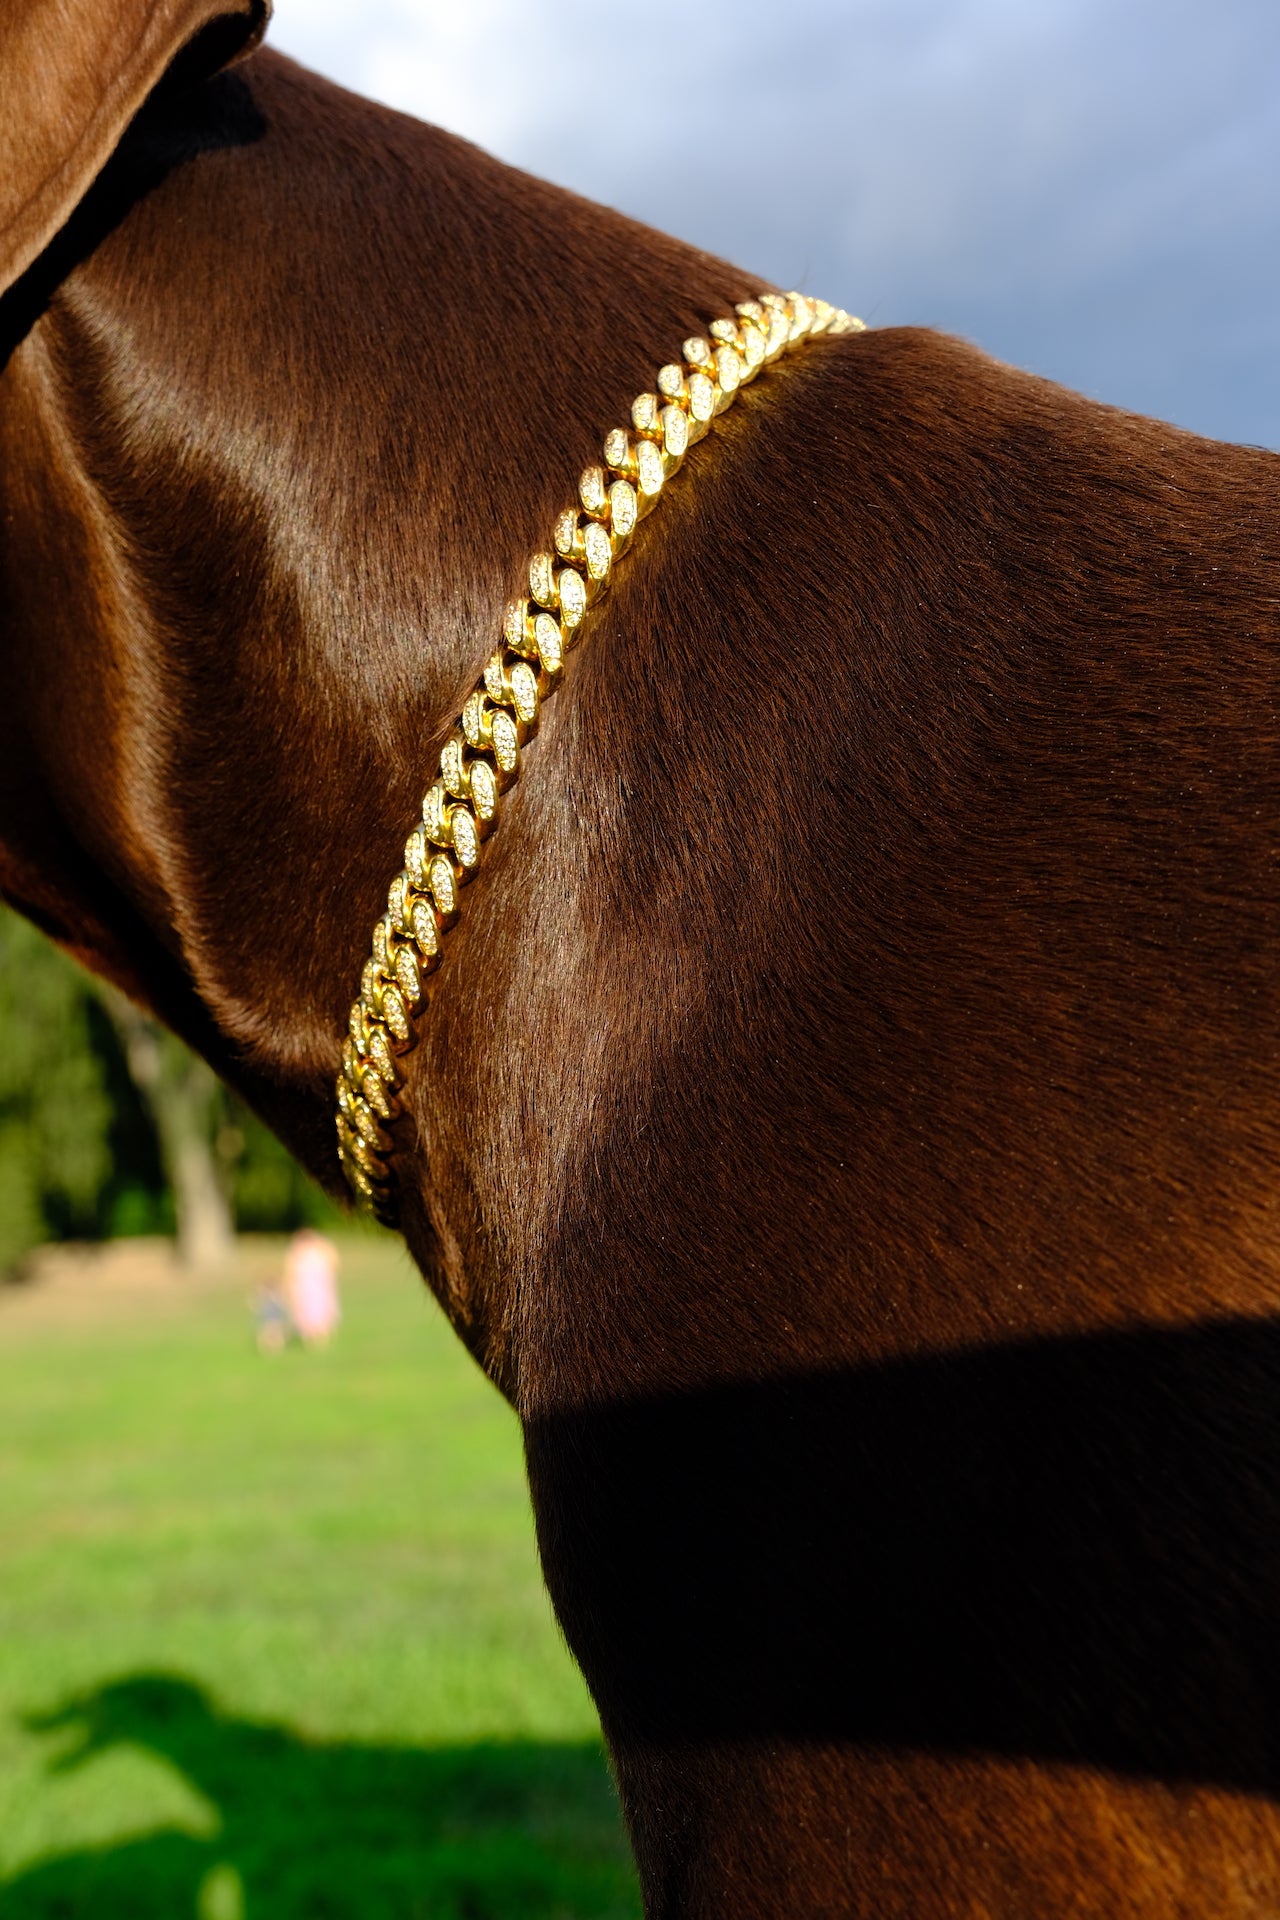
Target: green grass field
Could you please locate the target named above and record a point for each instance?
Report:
(273, 1641)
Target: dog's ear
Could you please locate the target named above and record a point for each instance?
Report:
(72, 75)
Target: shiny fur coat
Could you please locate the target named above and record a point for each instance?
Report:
(847, 1126)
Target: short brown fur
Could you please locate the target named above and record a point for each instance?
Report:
(847, 1123)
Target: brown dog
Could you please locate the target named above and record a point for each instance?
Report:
(847, 1123)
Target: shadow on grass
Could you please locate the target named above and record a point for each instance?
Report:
(316, 1831)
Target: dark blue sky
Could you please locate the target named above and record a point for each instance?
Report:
(1089, 188)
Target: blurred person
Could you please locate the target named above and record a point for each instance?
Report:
(272, 1321)
(311, 1286)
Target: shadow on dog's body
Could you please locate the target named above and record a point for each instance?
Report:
(846, 1125)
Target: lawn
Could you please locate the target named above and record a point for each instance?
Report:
(273, 1641)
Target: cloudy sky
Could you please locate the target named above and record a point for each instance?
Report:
(1090, 188)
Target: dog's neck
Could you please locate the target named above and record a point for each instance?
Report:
(287, 471)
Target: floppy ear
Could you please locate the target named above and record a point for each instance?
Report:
(72, 75)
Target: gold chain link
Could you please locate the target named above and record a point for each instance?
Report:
(481, 757)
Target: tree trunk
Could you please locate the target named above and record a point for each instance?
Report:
(182, 1096)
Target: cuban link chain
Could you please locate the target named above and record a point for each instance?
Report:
(481, 758)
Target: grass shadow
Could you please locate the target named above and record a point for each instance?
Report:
(314, 1830)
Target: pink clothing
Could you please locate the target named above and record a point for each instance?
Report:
(311, 1284)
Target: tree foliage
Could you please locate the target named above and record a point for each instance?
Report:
(100, 1109)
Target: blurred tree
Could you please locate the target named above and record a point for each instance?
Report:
(188, 1106)
(109, 1125)
(55, 1110)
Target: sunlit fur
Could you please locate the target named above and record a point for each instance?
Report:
(846, 1125)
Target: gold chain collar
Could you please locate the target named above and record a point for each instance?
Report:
(481, 757)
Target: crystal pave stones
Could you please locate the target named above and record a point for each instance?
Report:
(597, 549)
(481, 757)
(571, 592)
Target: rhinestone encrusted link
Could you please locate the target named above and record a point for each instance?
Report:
(650, 474)
(425, 924)
(477, 720)
(593, 491)
(728, 373)
(547, 635)
(481, 757)
(623, 511)
(409, 980)
(672, 384)
(484, 793)
(515, 625)
(675, 435)
(645, 409)
(417, 851)
(506, 747)
(566, 534)
(453, 767)
(397, 898)
(377, 1096)
(542, 579)
(571, 592)
(383, 944)
(443, 882)
(525, 697)
(435, 808)
(619, 454)
(597, 551)
(702, 404)
(396, 1017)
(466, 835)
(382, 1059)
